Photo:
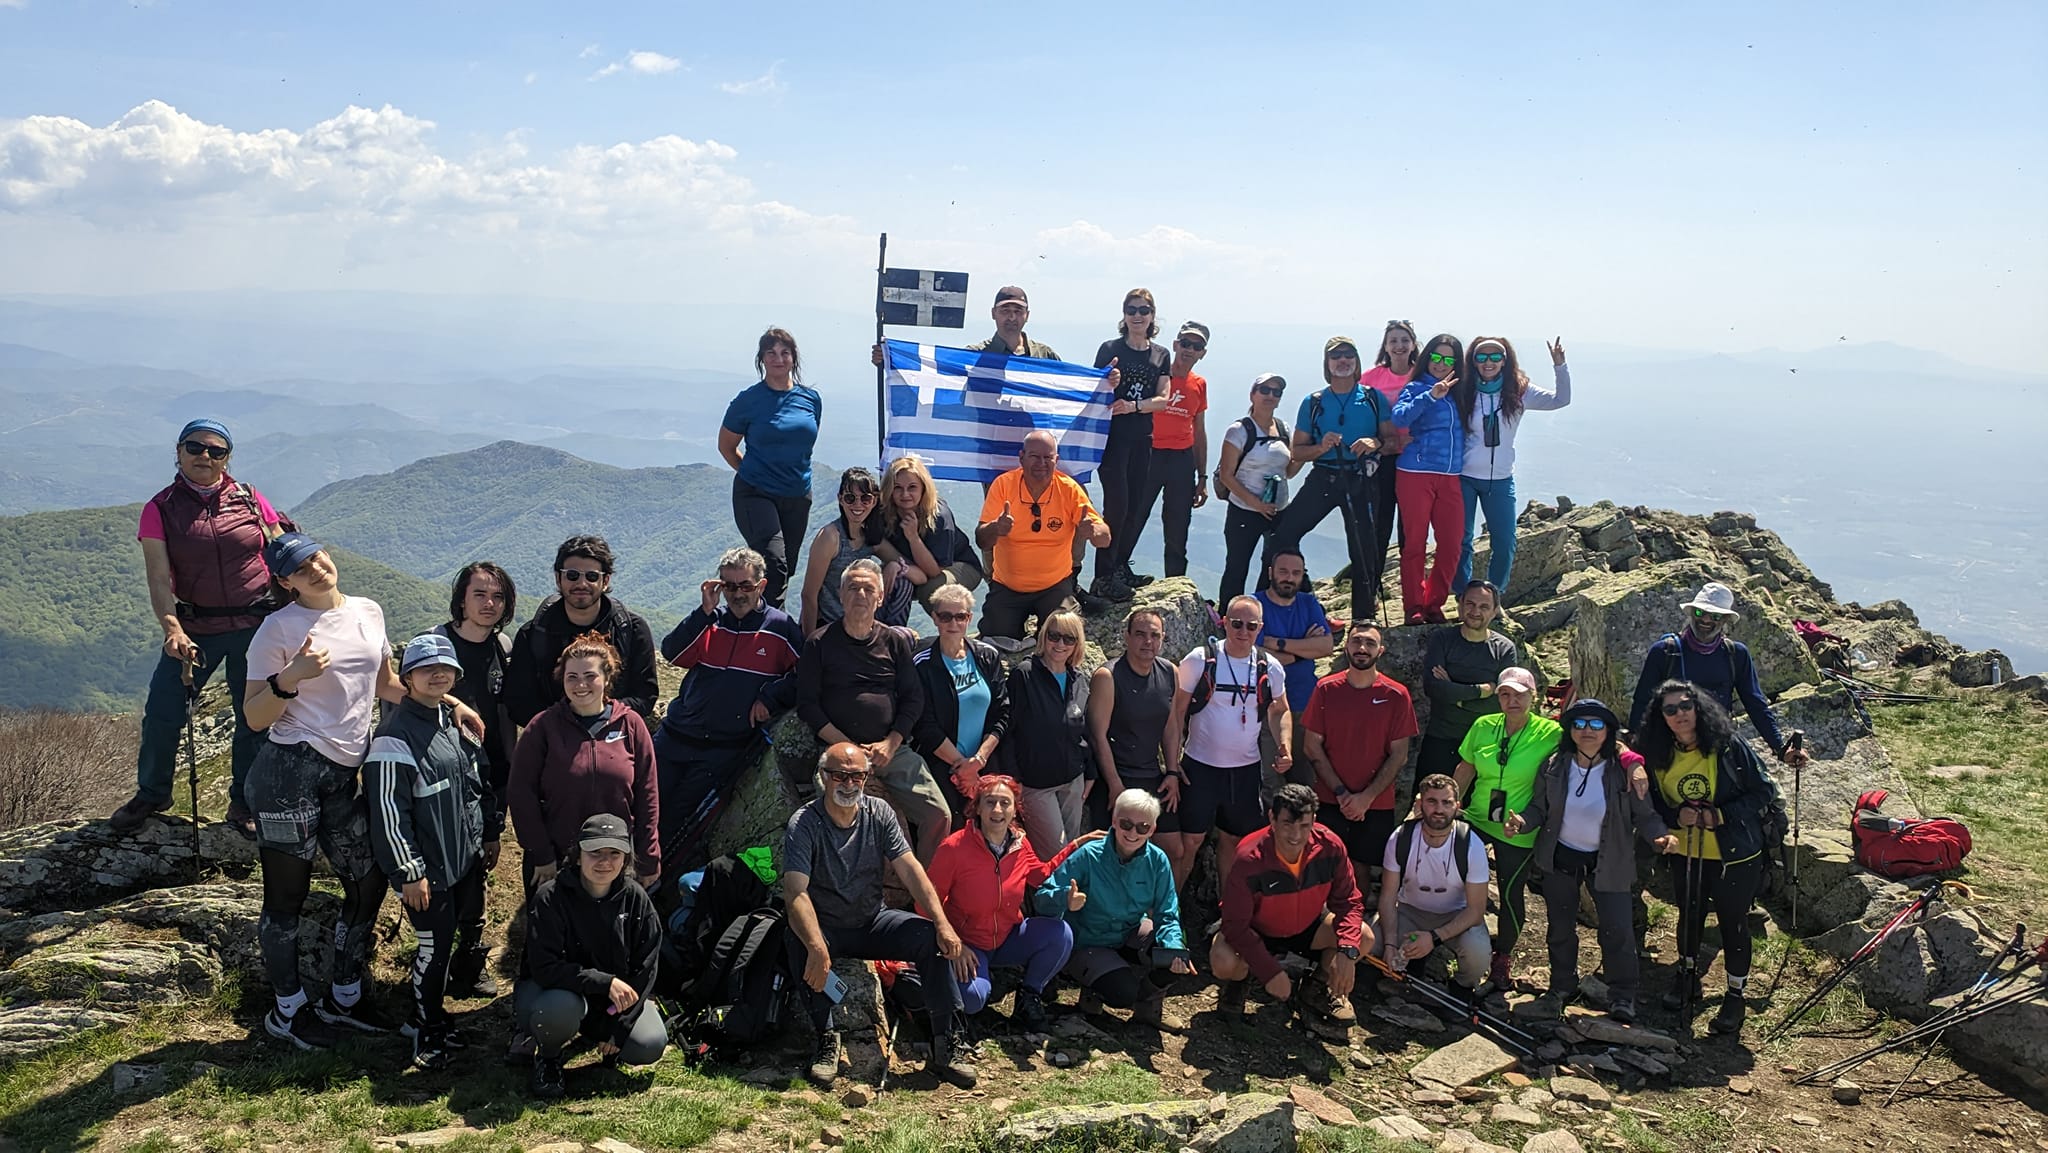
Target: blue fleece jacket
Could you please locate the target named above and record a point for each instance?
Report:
(1120, 894)
(1439, 444)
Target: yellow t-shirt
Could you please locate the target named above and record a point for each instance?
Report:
(1039, 552)
(1691, 778)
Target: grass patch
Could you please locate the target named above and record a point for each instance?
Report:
(1116, 1085)
(2003, 808)
(1698, 1129)
(1356, 1141)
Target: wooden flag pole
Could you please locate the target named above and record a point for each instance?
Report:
(882, 368)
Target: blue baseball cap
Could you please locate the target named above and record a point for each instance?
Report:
(428, 649)
(206, 424)
(285, 554)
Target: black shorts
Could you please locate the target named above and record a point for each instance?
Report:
(306, 804)
(1301, 944)
(1226, 799)
(1365, 841)
(1169, 821)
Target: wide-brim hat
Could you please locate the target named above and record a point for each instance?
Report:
(1590, 707)
(1714, 597)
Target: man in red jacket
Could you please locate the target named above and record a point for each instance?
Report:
(1292, 890)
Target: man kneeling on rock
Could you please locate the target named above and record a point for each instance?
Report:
(1292, 891)
(1433, 886)
(846, 839)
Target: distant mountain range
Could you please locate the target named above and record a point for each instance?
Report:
(75, 624)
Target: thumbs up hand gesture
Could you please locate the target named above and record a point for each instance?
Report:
(1005, 522)
(306, 664)
(1075, 897)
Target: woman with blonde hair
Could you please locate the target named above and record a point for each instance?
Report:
(1046, 745)
(920, 533)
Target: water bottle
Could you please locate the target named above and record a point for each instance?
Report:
(1270, 491)
(1860, 660)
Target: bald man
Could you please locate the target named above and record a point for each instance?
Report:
(1030, 522)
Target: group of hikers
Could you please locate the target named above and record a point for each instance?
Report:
(1044, 816)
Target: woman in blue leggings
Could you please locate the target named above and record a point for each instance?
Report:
(1491, 400)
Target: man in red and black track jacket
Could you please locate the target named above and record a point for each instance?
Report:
(1292, 890)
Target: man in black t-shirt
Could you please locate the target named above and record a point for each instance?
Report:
(480, 605)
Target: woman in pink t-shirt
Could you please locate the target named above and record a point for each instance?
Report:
(1388, 375)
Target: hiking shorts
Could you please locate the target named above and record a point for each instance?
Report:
(306, 803)
(1226, 799)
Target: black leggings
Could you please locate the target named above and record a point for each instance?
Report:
(774, 527)
(1125, 471)
(1355, 495)
(436, 927)
(1511, 872)
(1729, 889)
(1243, 530)
(286, 881)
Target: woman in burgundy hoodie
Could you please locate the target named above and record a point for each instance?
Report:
(586, 754)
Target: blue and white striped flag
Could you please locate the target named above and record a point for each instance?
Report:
(965, 413)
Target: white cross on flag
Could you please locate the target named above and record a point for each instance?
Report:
(925, 299)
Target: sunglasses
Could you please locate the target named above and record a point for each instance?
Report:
(210, 451)
(1440, 358)
(1192, 345)
(1597, 724)
(738, 586)
(1062, 639)
(1037, 518)
(1680, 707)
(1137, 310)
(1488, 357)
(1243, 626)
(1342, 354)
(1399, 324)
(946, 618)
(1704, 615)
(577, 575)
(857, 497)
(1270, 389)
(1141, 828)
(848, 776)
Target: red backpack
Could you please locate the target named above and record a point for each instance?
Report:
(1898, 847)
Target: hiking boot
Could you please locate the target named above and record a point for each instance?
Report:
(1008, 645)
(1623, 1011)
(1109, 588)
(1031, 1014)
(1729, 1020)
(1150, 1009)
(1317, 997)
(1550, 1005)
(1090, 604)
(824, 1068)
(429, 1052)
(521, 1048)
(953, 1058)
(241, 820)
(1134, 579)
(1686, 989)
(302, 1030)
(547, 1077)
(1090, 1004)
(470, 979)
(1230, 997)
(129, 817)
(363, 1015)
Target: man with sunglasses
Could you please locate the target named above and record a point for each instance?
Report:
(741, 660)
(1032, 521)
(1710, 659)
(202, 554)
(1339, 429)
(1212, 736)
(847, 842)
(1292, 891)
(1180, 453)
(582, 603)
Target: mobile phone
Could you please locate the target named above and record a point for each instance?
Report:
(1497, 805)
(835, 989)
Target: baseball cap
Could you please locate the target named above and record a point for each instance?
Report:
(206, 424)
(1196, 327)
(428, 649)
(604, 831)
(1714, 597)
(1516, 677)
(1336, 342)
(1012, 292)
(284, 555)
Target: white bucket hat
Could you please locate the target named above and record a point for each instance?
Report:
(1714, 597)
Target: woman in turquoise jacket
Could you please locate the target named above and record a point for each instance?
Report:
(1426, 486)
(1117, 894)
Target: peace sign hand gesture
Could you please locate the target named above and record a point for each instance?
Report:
(1556, 346)
(1442, 388)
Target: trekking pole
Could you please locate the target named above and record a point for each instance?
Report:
(1931, 1028)
(1508, 1034)
(1796, 743)
(1863, 954)
(192, 756)
(1688, 960)
(1981, 987)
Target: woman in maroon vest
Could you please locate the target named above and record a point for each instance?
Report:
(202, 549)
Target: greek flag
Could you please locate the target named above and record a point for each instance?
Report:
(965, 413)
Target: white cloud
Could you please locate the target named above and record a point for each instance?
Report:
(768, 82)
(640, 63)
(1159, 247)
(13, 3)
(531, 77)
(380, 173)
(589, 50)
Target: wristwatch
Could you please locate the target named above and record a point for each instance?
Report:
(279, 693)
(1350, 951)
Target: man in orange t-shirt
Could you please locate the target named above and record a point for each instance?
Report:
(1180, 450)
(1029, 522)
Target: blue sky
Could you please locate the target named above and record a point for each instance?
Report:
(1723, 177)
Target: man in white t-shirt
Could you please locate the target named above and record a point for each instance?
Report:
(1212, 736)
(1426, 898)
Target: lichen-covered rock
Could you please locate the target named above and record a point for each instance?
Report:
(1617, 619)
(78, 864)
(1980, 669)
(29, 1029)
(117, 974)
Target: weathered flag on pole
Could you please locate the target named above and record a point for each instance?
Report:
(965, 413)
(924, 299)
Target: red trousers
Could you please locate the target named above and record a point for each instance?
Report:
(1429, 501)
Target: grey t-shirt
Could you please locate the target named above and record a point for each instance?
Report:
(846, 866)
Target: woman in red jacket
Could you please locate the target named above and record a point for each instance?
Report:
(984, 873)
(586, 754)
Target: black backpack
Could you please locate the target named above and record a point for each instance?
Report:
(1461, 846)
(741, 987)
(1206, 687)
(1253, 438)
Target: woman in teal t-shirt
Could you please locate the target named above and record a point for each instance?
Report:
(1497, 767)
